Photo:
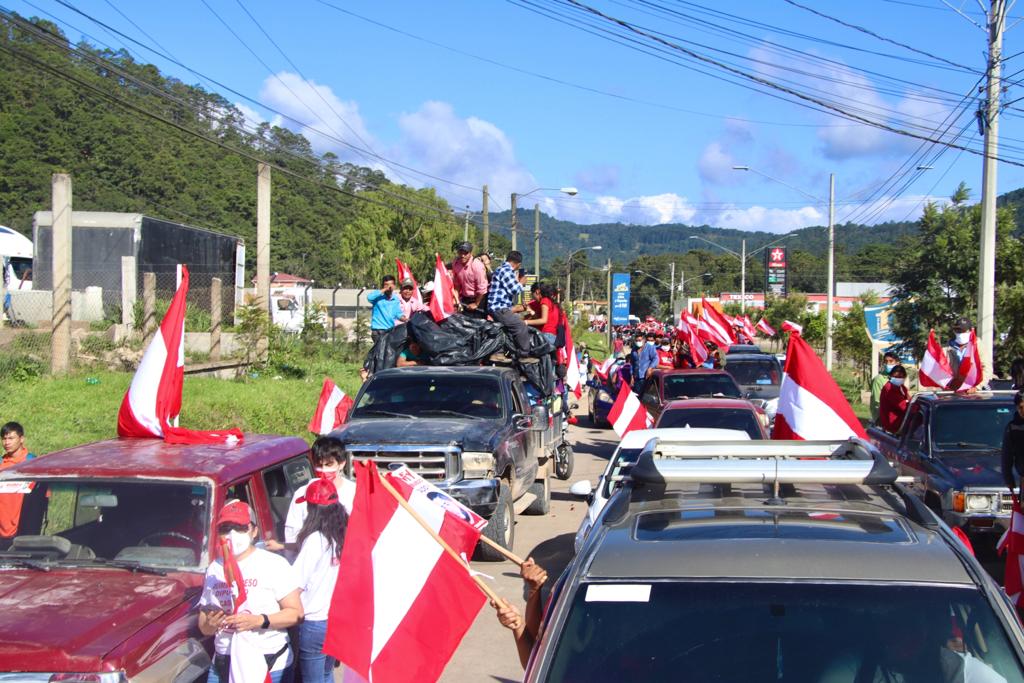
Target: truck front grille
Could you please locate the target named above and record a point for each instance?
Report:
(433, 463)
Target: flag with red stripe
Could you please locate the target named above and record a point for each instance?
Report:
(442, 303)
(935, 368)
(970, 367)
(567, 357)
(627, 413)
(689, 332)
(811, 404)
(152, 403)
(604, 367)
(331, 409)
(718, 325)
(405, 273)
(747, 327)
(790, 326)
(1012, 544)
(763, 327)
(404, 604)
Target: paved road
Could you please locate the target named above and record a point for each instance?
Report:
(488, 651)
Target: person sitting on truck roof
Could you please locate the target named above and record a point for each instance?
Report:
(408, 304)
(892, 405)
(411, 355)
(1013, 445)
(959, 347)
(506, 286)
(386, 309)
(469, 276)
(544, 313)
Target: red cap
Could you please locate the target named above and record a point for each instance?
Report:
(235, 512)
(319, 492)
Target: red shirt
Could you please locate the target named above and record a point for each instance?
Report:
(554, 315)
(666, 359)
(892, 405)
(10, 503)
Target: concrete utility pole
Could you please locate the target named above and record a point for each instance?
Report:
(608, 326)
(60, 337)
(515, 220)
(987, 266)
(743, 277)
(263, 237)
(465, 228)
(536, 241)
(672, 289)
(831, 269)
(487, 221)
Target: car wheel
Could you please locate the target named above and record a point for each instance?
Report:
(542, 505)
(500, 527)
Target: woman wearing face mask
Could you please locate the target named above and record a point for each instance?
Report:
(328, 455)
(320, 540)
(666, 357)
(250, 630)
(959, 349)
(892, 406)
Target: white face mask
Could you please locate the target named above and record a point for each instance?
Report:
(896, 381)
(639, 345)
(240, 541)
(328, 473)
(889, 367)
(665, 347)
(963, 337)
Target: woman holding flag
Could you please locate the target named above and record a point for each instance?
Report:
(250, 598)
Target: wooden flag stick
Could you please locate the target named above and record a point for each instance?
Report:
(507, 553)
(487, 590)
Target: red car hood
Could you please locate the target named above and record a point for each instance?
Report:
(68, 619)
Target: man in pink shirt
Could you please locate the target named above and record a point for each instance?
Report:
(470, 279)
(408, 302)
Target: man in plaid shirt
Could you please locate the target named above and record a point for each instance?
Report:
(506, 285)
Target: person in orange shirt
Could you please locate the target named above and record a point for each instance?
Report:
(12, 436)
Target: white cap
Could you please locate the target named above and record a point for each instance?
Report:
(429, 287)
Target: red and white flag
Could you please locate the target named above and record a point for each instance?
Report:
(811, 404)
(935, 368)
(763, 327)
(405, 603)
(748, 327)
(442, 303)
(689, 332)
(567, 357)
(627, 413)
(405, 273)
(152, 403)
(970, 367)
(1012, 543)
(718, 324)
(331, 409)
(790, 326)
(604, 367)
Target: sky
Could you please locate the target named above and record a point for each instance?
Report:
(525, 95)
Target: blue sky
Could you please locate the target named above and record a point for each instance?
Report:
(657, 142)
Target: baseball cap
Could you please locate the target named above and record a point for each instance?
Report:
(407, 284)
(464, 248)
(236, 512)
(319, 492)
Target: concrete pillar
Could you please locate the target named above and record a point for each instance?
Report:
(129, 291)
(263, 249)
(60, 339)
(148, 306)
(216, 310)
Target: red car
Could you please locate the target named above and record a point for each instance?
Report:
(668, 385)
(716, 413)
(102, 579)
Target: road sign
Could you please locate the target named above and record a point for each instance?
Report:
(776, 274)
(620, 298)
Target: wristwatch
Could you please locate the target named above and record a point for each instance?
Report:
(266, 622)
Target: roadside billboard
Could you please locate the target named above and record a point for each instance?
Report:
(620, 298)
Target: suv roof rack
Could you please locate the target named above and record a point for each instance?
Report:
(662, 448)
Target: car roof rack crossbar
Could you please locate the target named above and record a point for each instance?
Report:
(723, 450)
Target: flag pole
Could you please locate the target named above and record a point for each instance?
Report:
(487, 590)
(504, 551)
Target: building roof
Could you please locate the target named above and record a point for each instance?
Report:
(281, 279)
(128, 458)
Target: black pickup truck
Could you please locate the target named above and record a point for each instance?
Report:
(950, 443)
(470, 431)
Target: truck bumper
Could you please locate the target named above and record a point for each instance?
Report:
(977, 525)
(479, 495)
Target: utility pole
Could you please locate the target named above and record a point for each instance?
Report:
(60, 239)
(831, 269)
(263, 249)
(672, 289)
(465, 228)
(743, 277)
(608, 326)
(487, 221)
(515, 220)
(987, 266)
(536, 243)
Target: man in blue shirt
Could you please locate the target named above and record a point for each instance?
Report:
(387, 309)
(506, 286)
(647, 361)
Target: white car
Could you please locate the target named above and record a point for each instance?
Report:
(626, 454)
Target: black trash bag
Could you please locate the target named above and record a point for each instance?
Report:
(458, 340)
(384, 353)
(540, 374)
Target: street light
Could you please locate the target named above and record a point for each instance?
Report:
(571, 191)
(743, 262)
(568, 277)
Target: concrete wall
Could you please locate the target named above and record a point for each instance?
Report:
(35, 306)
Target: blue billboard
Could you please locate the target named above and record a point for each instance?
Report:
(620, 298)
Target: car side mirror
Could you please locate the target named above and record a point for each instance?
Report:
(541, 417)
(581, 488)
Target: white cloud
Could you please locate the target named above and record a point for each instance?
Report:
(767, 219)
(715, 165)
(252, 117)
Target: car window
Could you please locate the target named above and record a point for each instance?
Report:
(281, 482)
(622, 460)
(731, 632)
(916, 428)
(651, 392)
(696, 384)
(715, 418)
(762, 371)
(411, 393)
(970, 425)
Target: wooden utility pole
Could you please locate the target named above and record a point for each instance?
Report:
(536, 241)
(487, 221)
(515, 220)
(60, 337)
(608, 325)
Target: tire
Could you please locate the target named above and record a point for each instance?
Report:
(501, 527)
(542, 505)
(564, 462)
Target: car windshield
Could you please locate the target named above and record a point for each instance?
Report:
(688, 386)
(970, 425)
(415, 394)
(755, 371)
(150, 523)
(758, 632)
(715, 418)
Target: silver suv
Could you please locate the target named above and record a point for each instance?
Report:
(740, 567)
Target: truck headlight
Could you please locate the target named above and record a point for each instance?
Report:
(976, 502)
(477, 465)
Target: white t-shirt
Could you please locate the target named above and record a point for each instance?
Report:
(268, 579)
(297, 511)
(317, 570)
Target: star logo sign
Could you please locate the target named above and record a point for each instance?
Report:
(777, 255)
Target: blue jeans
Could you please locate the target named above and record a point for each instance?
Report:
(285, 675)
(316, 667)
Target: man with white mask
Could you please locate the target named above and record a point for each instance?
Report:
(960, 348)
(250, 598)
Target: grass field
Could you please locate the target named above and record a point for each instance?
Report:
(67, 411)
